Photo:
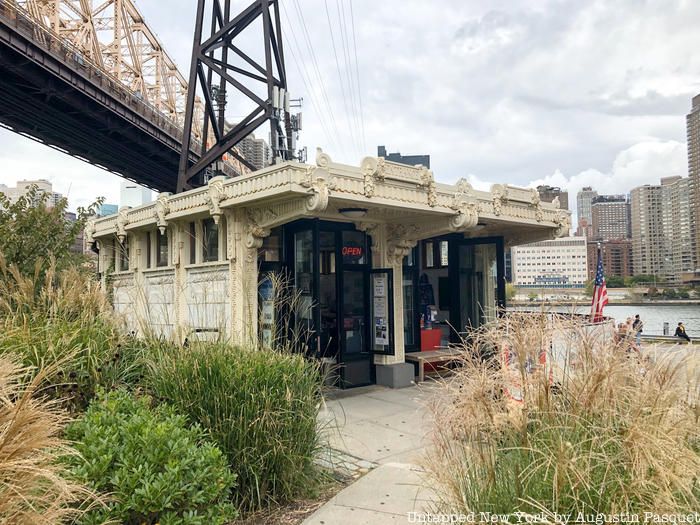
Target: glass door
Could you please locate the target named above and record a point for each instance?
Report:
(355, 359)
(477, 270)
(302, 260)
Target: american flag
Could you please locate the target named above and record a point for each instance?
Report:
(600, 292)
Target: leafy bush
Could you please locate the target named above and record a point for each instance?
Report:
(31, 230)
(259, 406)
(35, 487)
(155, 468)
(611, 435)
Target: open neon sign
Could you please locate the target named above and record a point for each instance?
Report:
(352, 251)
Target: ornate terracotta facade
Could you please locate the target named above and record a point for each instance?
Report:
(404, 204)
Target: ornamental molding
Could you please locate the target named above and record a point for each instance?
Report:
(323, 160)
(466, 206)
(536, 203)
(207, 277)
(319, 192)
(563, 222)
(161, 210)
(499, 195)
(372, 169)
(427, 180)
(215, 194)
(122, 222)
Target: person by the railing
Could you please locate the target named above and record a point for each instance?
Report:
(638, 325)
(680, 332)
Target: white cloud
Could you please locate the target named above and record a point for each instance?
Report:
(643, 163)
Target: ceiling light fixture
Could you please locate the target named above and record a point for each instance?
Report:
(353, 213)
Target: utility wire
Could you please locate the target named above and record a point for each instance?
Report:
(359, 88)
(345, 39)
(319, 77)
(303, 72)
(340, 76)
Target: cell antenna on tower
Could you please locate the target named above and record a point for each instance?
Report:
(220, 69)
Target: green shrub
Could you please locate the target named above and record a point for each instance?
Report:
(153, 466)
(259, 406)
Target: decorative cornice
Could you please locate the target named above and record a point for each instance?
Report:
(316, 182)
(161, 210)
(215, 194)
(122, 221)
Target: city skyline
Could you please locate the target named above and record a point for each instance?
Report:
(527, 115)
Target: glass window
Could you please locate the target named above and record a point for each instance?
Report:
(162, 248)
(409, 311)
(210, 232)
(303, 276)
(444, 253)
(148, 249)
(193, 243)
(124, 256)
(271, 249)
(354, 248)
(429, 255)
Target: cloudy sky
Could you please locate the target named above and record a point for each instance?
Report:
(569, 93)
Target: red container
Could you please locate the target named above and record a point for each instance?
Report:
(430, 340)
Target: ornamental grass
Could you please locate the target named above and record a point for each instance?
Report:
(35, 487)
(594, 428)
(259, 406)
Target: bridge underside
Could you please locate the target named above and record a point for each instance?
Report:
(46, 93)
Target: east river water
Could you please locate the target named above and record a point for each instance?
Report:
(653, 315)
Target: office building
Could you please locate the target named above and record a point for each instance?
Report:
(616, 255)
(256, 151)
(43, 187)
(584, 199)
(132, 195)
(549, 193)
(409, 160)
(107, 209)
(561, 263)
(610, 216)
(693, 135)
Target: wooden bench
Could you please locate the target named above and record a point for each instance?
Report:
(443, 355)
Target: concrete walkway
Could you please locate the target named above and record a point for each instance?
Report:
(380, 434)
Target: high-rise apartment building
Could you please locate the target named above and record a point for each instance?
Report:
(561, 263)
(132, 194)
(584, 199)
(43, 187)
(693, 135)
(409, 160)
(610, 218)
(256, 151)
(616, 256)
(549, 193)
(647, 230)
(678, 246)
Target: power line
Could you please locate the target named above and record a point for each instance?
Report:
(349, 74)
(337, 64)
(307, 84)
(317, 71)
(357, 69)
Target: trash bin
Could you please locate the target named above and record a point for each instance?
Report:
(666, 329)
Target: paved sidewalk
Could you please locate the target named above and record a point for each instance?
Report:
(381, 433)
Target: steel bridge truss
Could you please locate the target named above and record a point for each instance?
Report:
(213, 71)
(114, 36)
